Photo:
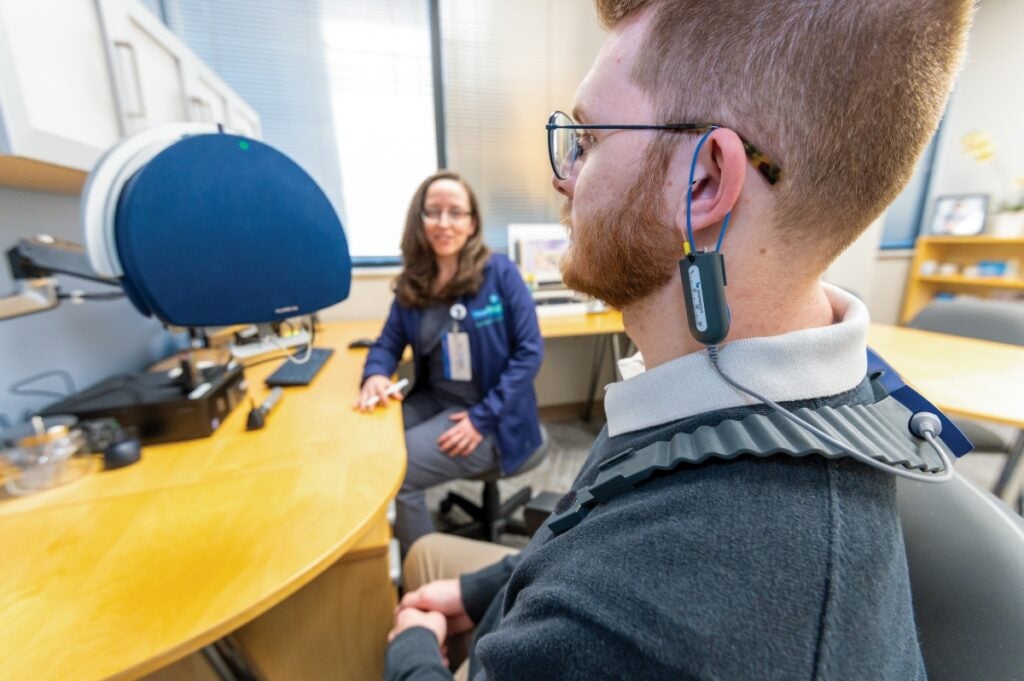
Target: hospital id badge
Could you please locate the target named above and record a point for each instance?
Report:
(458, 365)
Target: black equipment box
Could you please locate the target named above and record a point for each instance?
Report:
(160, 406)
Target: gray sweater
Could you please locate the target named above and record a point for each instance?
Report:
(776, 568)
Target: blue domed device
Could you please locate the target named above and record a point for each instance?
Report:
(205, 228)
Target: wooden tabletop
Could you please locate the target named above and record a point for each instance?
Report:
(562, 326)
(962, 376)
(124, 571)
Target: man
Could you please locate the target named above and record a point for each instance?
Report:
(768, 567)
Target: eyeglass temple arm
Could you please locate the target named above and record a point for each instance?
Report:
(771, 172)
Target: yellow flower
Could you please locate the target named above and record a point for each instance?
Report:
(976, 137)
(979, 146)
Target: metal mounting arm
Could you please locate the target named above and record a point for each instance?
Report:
(33, 262)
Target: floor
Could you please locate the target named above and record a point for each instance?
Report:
(570, 441)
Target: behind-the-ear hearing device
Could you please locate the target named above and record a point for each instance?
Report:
(703, 275)
(704, 287)
(708, 316)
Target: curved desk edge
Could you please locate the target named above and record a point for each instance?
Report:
(239, 619)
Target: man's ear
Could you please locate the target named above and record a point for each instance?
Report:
(721, 170)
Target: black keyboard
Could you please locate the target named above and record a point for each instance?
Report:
(290, 373)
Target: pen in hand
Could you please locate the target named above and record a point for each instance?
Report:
(393, 389)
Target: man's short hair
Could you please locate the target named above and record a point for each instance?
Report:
(842, 94)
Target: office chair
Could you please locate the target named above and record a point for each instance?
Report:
(998, 321)
(493, 516)
(992, 320)
(965, 552)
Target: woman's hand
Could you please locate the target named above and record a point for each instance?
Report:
(462, 438)
(375, 386)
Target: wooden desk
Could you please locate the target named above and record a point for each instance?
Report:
(962, 376)
(563, 326)
(125, 571)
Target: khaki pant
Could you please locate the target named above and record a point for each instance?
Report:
(445, 556)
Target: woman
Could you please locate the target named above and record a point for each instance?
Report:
(472, 326)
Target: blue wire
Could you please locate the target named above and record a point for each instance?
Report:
(721, 235)
(689, 198)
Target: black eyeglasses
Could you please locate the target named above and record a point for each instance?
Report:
(564, 144)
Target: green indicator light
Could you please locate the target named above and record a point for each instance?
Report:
(243, 145)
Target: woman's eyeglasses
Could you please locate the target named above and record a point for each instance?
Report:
(436, 214)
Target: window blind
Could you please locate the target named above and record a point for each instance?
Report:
(507, 66)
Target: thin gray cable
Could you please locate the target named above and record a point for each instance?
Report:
(946, 474)
(288, 355)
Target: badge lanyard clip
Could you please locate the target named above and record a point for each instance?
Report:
(458, 363)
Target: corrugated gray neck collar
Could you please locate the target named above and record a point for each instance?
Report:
(794, 366)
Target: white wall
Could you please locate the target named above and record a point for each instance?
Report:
(889, 280)
(369, 298)
(853, 269)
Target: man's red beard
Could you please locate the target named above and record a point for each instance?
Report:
(627, 252)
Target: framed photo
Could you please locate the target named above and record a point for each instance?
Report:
(959, 215)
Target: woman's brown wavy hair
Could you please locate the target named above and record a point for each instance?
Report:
(415, 285)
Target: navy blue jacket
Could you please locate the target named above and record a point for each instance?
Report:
(506, 349)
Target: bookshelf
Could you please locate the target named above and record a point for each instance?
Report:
(964, 252)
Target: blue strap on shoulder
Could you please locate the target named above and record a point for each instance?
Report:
(885, 375)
